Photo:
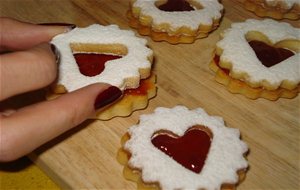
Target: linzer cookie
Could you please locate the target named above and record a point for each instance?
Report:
(175, 21)
(277, 9)
(259, 59)
(110, 55)
(179, 148)
(133, 99)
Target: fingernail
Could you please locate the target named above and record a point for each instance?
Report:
(55, 52)
(69, 26)
(107, 96)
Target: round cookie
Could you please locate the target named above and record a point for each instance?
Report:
(125, 72)
(259, 59)
(179, 148)
(110, 55)
(175, 21)
(276, 9)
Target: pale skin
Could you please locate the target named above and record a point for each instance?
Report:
(34, 63)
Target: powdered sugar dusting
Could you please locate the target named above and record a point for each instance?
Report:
(237, 51)
(116, 71)
(225, 156)
(288, 3)
(191, 19)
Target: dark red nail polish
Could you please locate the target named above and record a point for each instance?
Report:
(55, 52)
(70, 26)
(107, 96)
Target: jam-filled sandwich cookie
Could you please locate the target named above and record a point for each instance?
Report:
(175, 21)
(178, 148)
(106, 54)
(277, 9)
(259, 59)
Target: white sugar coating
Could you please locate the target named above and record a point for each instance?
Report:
(192, 19)
(225, 155)
(288, 3)
(116, 71)
(244, 60)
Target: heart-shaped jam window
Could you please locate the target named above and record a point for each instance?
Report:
(269, 55)
(91, 58)
(189, 150)
(176, 5)
(92, 64)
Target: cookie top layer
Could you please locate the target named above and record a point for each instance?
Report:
(211, 10)
(116, 71)
(225, 155)
(287, 3)
(243, 60)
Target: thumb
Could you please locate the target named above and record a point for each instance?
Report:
(32, 126)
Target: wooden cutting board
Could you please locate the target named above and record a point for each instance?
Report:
(85, 158)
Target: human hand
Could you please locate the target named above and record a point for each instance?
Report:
(30, 64)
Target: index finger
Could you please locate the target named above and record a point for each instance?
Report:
(17, 35)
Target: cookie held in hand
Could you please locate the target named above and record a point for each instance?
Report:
(105, 54)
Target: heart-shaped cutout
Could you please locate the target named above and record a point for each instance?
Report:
(189, 150)
(92, 64)
(269, 55)
(177, 5)
(91, 58)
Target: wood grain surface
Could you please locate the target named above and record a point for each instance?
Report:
(85, 158)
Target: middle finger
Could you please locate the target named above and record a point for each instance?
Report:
(28, 70)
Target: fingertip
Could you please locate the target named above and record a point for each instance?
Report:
(89, 100)
(49, 55)
(107, 96)
(55, 52)
(58, 27)
(78, 105)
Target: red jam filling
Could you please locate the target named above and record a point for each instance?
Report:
(189, 150)
(142, 90)
(92, 64)
(269, 55)
(176, 5)
(217, 62)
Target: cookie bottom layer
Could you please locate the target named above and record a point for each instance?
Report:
(239, 87)
(260, 8)
(187, 36)
(132, 100)
(131, 174)
(135, 175)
